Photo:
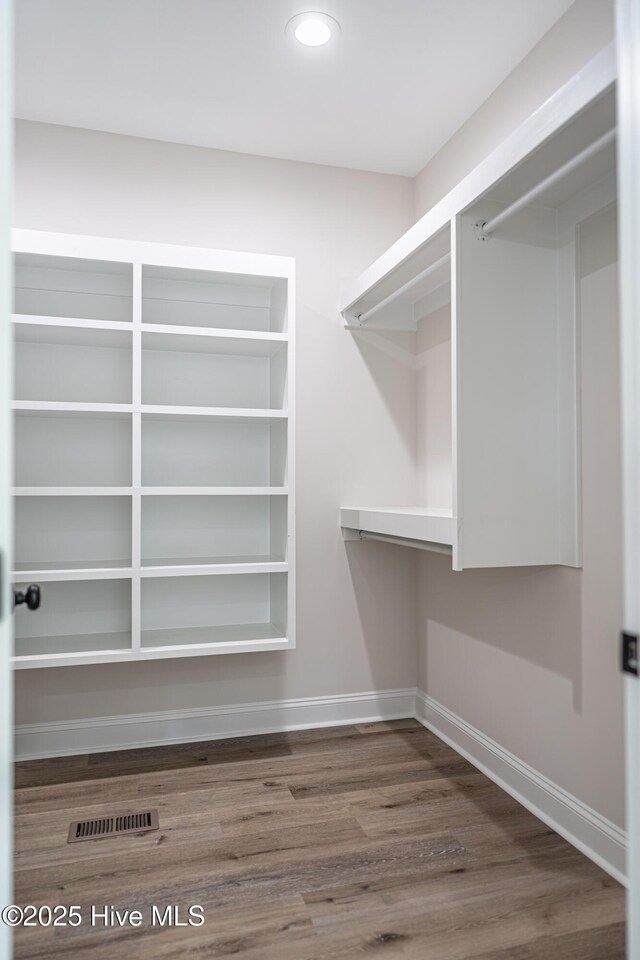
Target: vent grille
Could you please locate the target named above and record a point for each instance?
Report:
(113, 826)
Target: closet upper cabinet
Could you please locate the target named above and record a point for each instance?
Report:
(485, 292)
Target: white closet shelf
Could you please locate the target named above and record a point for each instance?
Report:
(72, 491)
(44, 408)
(425, 524)
(214, 491)
(96, 650)
(211, 414)
(194, 641)
(202, 566)
(254, 337)
(64, 322)
(247, 343)
(74, 570)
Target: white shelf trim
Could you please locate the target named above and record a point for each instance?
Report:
(220, 333)
(221, 413)
(45, 321)
(213, 569)
(64, 406)
(215, 491)
(72, 491)
(434, 525)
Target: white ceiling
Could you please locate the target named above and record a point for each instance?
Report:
(404, 75)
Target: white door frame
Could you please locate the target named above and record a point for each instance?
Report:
(6, 467)
(628, 44)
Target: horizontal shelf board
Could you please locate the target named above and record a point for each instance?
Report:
(214, 333)
(207, 561)
(211, 414)
(72, 644)
(239, 343)
(215, 491)
(69, 322)
(430, 524)
(72, 491)
(74, 570)
(37, 661)
(65, 335)
(44, 408)
(197, 567)
(185, 637)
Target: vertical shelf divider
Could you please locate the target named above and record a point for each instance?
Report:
(136, 462)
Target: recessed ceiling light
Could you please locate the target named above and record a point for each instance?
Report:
(313, 29)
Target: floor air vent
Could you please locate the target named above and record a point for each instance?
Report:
(113, 826)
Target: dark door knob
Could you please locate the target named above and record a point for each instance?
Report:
(31, 597)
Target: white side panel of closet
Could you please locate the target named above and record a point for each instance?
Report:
(434, 427)
(514, 386)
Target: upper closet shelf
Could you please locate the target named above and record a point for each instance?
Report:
(561, 151)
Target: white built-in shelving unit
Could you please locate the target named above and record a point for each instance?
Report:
(154, 450)
(488, 282)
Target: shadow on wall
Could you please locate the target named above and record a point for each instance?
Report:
(390, 360)
(388, 617)
(534, 613)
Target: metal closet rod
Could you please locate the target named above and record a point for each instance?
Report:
(490, 225)
(363, 317)
(407, 542)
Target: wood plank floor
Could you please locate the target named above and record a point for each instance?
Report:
(346, 843)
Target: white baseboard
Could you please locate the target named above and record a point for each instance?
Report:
(37, 740)
(595, 836)
(592, 834)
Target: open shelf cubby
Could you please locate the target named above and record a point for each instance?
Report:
(72, 364)
(72, 533)
(203, 298)
(213, 530)
(186, 612)
(71, 287)
(154, 417)
(72, 449)
(76, 617)
(211, 451)
(213, 371)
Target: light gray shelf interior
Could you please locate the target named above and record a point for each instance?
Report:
(72, 449)
(200, 298)
(73, 288)
(181, 530)
(58, 533)
(76, 616)
(216, 609)
(212, 372)
(193, 452)
(72, 364)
